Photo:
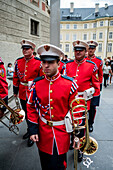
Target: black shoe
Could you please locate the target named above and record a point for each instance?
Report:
(26, 135)
(30, 142)
(80, 156)
(71, 146)
(90, 128)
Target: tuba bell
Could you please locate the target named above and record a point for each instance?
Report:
(16, 117)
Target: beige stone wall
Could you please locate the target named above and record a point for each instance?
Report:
(15, 18)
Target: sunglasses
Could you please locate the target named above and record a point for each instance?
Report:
(26, 48)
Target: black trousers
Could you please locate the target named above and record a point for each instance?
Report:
(105, 79)
(92, 113)
(52, 162)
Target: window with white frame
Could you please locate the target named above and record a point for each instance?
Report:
(94, 25)
(100, 47)
(85, 26)
(74, 37)
(100, 35)
(67, 26)
(94, 36)
(67, 37)
(60, 36)
(109, 47)
(85, 37)
(66, 47)
(75, 26)
(110, 35)
(101, 23)
(111, 23)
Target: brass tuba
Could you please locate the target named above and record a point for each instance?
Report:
(88, 145)
(16, 117)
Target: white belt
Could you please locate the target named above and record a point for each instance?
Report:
(24, 84)
(80, 93)
(52, 123)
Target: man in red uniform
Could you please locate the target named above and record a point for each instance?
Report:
(27, 68)
(98, 61)
(3, 87)
(51, 94)
(85, 74)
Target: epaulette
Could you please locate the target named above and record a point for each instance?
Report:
(70, 61)
(38, 78)
(99, 58)
(90, 62)
(37, 58)
(62, 62)
(20, 58)
(66, 77)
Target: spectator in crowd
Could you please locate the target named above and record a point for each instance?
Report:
(10, 69)
(65, 58)
(106, 72)
(111, 64)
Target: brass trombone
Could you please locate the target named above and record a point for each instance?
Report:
(16, 117)
(86, 144)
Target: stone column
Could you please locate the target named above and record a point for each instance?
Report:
(55, 22)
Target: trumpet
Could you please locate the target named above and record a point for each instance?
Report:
(16, 117)
(86, 144)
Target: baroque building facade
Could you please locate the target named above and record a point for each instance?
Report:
(22, 19)
(87, 24)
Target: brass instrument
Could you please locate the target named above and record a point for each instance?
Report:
(17, 116)
(88, 145)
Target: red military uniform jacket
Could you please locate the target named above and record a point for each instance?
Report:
(62, 66)
(52, 98)
(99, 63)
(3, 83)
(85, 74)
(25, 71)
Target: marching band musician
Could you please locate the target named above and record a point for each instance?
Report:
(85, 74)
(98, 61)
(27, 68)
(48, 105)
(3, 87)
